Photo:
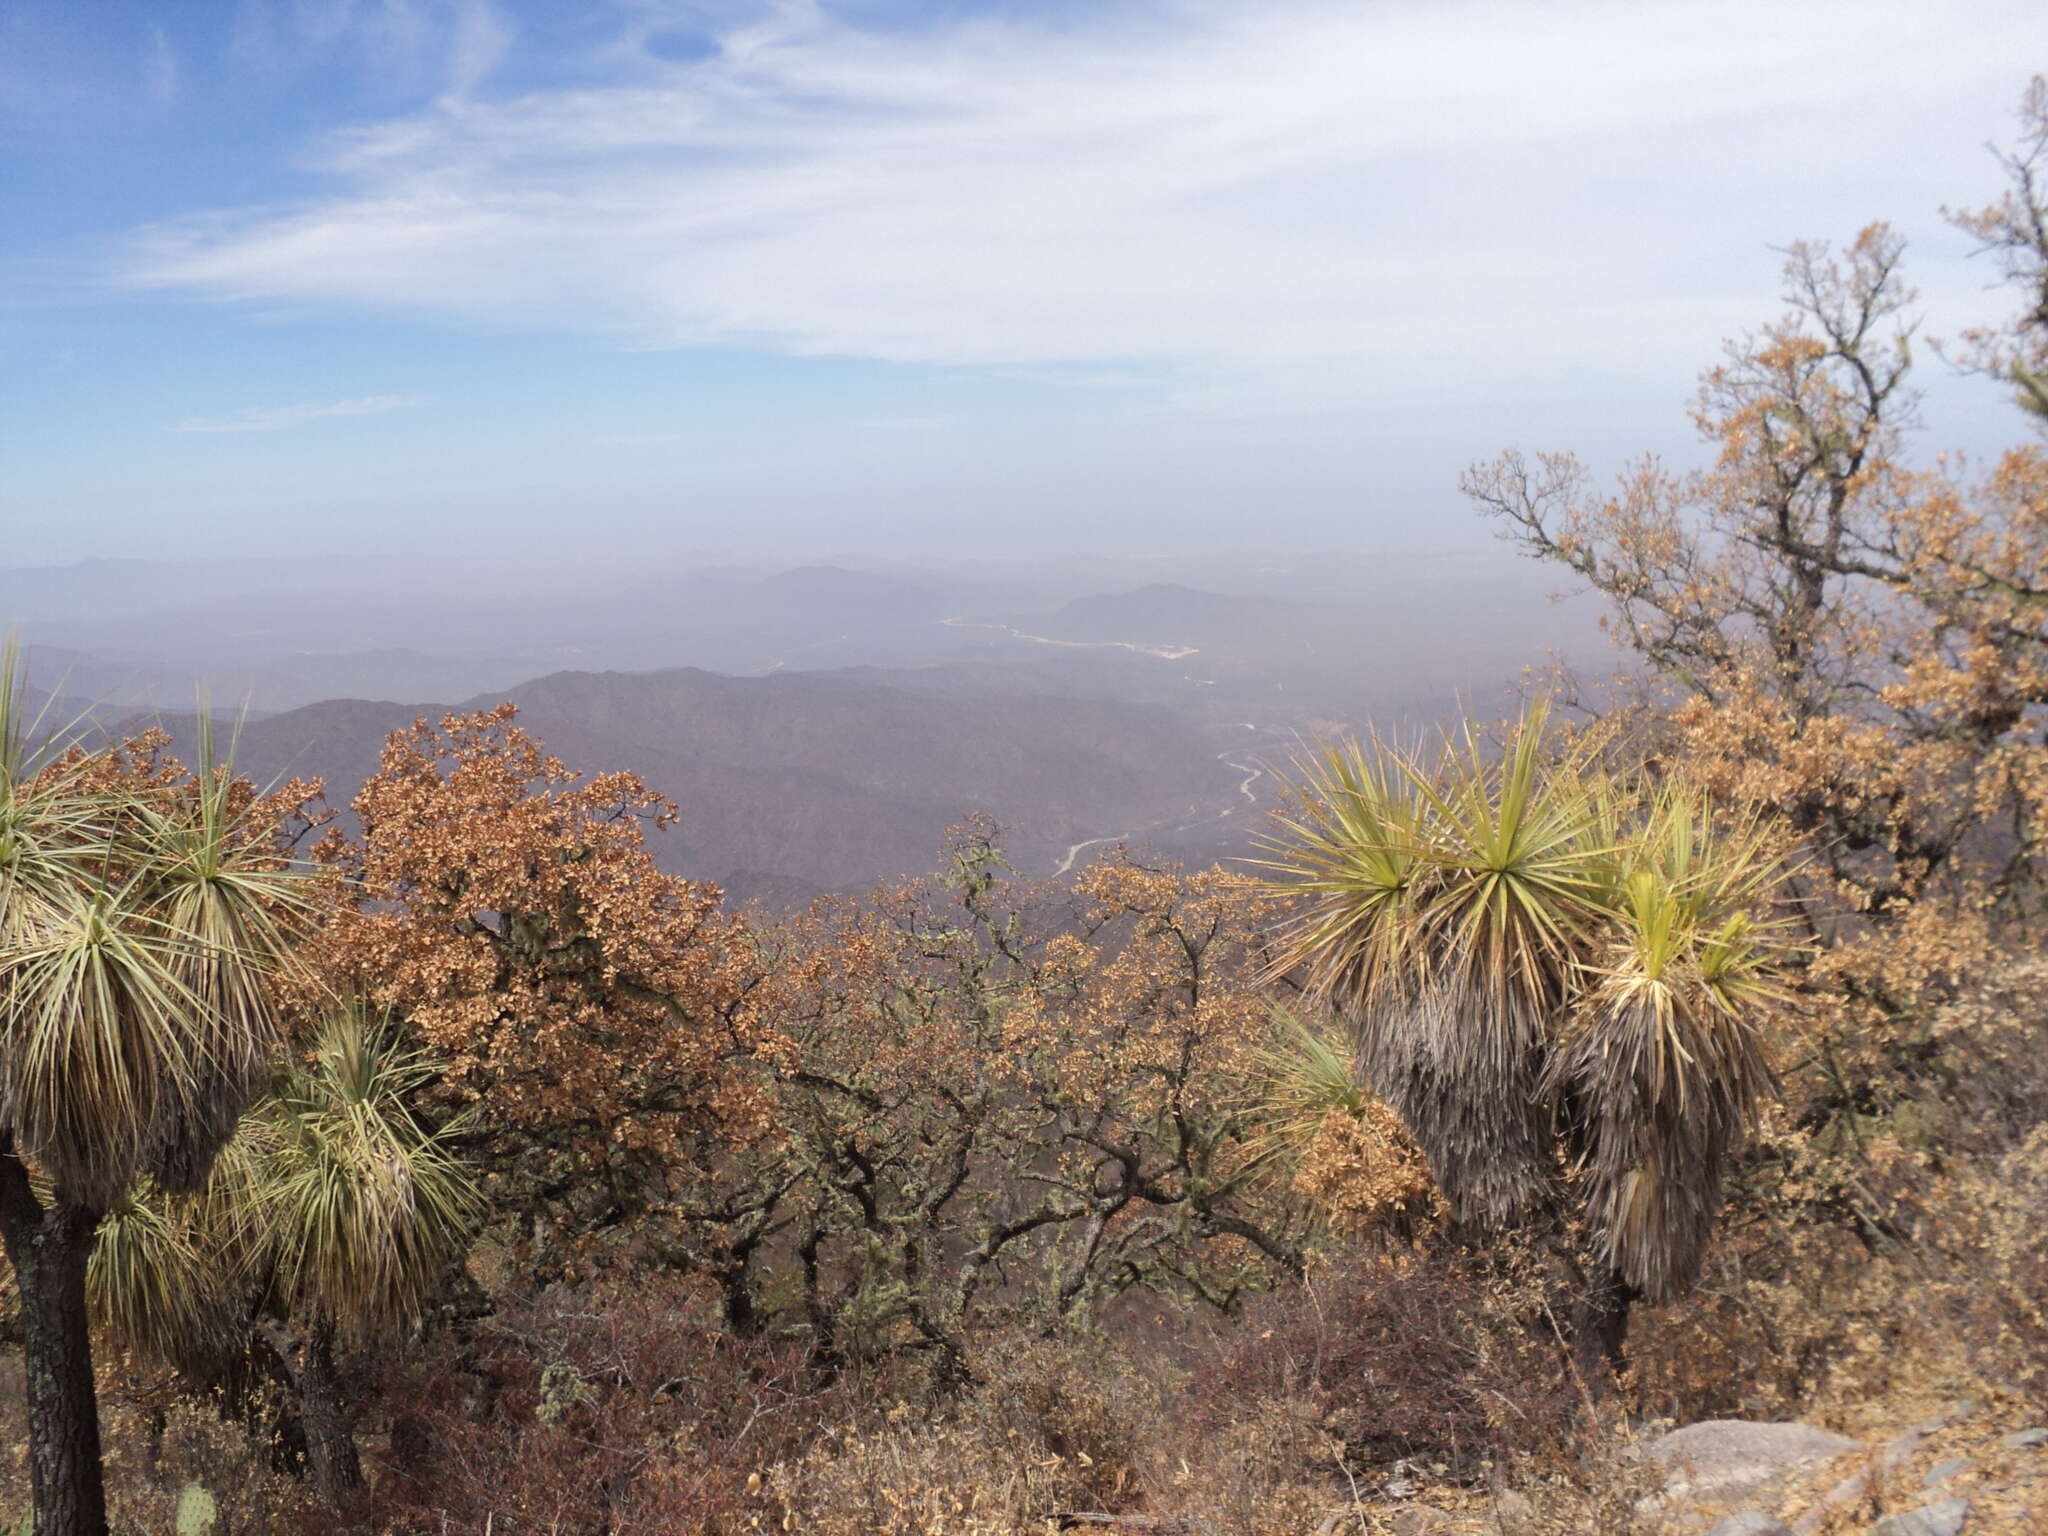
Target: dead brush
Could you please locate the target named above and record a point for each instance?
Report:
(1274, 1471)
(607, 1411)
(1049, 1427)
(1436, 1356)
(156, 1448)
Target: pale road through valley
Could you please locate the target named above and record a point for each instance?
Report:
(1244, 787)
(1164, 653)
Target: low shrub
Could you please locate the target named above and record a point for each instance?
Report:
(164, 1452)
(612, 1411)
(1433, 1356)
(1049, 1426)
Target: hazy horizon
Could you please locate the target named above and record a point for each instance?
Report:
(723, 377)
(822, 725)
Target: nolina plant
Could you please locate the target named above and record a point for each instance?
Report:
(1555, 977)
(330, 1217)
(144, 916)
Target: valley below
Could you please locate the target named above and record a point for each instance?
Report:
(821, 727)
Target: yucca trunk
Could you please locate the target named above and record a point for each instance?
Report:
(1599, 1323)
(49, 1247)
(305, 1350)
(331, 1456)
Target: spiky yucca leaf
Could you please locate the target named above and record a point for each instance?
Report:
(1522, 875)
(1526, 947)
(338, 1192)
(1350, 842)
(1522, 871)
(29, 742)
(1442, 904)
(138, 1011)
(1309, 1073)
(155, 1278)
(100, 1038)
(333, 1199)
(1665, 1062)
(142, 926)
(1344, 1146)
(54, 833)
(237, 911)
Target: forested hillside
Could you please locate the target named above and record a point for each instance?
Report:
(856, 1099)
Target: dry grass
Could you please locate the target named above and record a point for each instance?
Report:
(155, 1446)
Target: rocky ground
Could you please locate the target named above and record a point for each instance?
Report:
(1971, 1468)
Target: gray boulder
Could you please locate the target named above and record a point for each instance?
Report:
(1942, 1471)
(1750, 1522)
(1944, 1519)
(1513, 1511)
(2026, 1439)
(1728, 1461)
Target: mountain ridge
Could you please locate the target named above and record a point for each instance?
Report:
(804, 782)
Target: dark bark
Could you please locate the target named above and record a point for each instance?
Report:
(736, 1290)
(261, 1389)
(1600, 1329)
(307, 1353)
(331, 1458)
(49, 1248)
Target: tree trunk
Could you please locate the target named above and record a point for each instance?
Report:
(49, 1248)
(324, 1409)
(1600, 1328)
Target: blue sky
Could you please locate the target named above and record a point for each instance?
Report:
(313, 275)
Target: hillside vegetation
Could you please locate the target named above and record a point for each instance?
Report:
(1672, 1052)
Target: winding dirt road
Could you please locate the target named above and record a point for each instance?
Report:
(1252, 774)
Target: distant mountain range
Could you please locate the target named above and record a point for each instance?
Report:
(1329, 633)
(820, 725)
(1166, 613)
(800, 783)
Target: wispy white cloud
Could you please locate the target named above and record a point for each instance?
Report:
(1394, 188)
(269, 418)
(160, 68)
(444, 46)
(478, 40)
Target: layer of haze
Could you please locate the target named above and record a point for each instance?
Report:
(586, 282)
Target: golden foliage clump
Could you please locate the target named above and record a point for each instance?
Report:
(1353, 1160)
(1365, 1173)
(509, 913)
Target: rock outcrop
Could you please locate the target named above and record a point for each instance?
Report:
(1736, 1462)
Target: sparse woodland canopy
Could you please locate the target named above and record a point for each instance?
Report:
(469, 1173)
(1856, 644)
(1008, 1104)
